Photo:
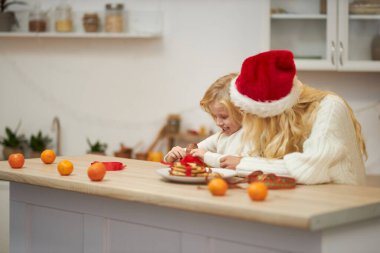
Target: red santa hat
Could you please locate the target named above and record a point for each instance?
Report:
(266, 85)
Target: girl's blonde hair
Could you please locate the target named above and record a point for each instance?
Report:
(219, 92)
(276, 136)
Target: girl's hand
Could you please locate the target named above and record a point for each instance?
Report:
(190, 147)
(175, 154)
(198, 152)
(229, 162)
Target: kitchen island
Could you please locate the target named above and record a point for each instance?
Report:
(135, 210)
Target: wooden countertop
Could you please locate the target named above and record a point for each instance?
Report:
(307, 207)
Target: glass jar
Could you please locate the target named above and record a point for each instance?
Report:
(63, 18)
(37, 20)
(90, 22)
(173, 124)
(323, 6)
(114, 21)
(376, 48)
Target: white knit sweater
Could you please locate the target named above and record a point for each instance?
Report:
(219, 145)
(330, 154)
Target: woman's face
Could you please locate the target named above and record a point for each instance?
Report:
(223, 119)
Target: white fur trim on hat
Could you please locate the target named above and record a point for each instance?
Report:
(269, 108)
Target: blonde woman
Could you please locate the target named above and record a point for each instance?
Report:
(293, 129)
(216, 101)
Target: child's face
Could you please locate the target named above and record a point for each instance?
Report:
(223, 119)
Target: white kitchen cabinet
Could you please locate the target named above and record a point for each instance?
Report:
(335, 40)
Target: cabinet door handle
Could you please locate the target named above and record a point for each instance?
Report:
(341, 53)
(333, 52)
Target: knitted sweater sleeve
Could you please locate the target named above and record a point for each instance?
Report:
(211, 157)
(210, 143)
(321, 151)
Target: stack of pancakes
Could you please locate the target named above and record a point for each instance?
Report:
(191, 166)
(189, 170)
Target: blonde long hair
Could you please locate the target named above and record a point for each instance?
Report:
(276, 136)
(219, 92)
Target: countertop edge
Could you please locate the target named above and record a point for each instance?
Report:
(164, 201)
(354, 214)
(315, 222)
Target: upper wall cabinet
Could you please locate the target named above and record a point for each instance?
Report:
(327, 35)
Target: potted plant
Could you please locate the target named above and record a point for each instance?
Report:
(7, 18)
(97, 148)
(12, 142)
(38, 143)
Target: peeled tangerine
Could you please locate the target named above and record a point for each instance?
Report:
(96, 171)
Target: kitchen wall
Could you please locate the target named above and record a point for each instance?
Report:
(121, 90)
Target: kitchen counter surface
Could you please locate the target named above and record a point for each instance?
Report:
(306, 207)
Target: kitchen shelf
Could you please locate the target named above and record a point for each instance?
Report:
(298, 16)
(79, 35)
(364, 17)
(138, 24)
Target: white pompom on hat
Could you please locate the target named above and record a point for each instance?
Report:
(266, 85)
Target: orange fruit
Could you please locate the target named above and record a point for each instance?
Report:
(155, 156)
(65, 167)
(96, 171)
(48, 156)
(217, 186)
(257, 191)
(16, 161)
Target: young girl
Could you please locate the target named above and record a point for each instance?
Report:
(293, 129)
(217, 103)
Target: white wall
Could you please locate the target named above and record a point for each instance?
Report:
(121, 90)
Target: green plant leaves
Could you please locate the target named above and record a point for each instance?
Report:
(97, 147)
(4, 4)
(12, 140)
(39, 143)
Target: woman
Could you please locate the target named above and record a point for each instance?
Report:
(293, 129)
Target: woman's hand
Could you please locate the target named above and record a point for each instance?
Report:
(176, 153)
(230, 162)
(198, 152)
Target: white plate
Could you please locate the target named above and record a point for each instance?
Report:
(165, 174)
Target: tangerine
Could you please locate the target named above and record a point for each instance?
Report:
(16, 161)
(96, 171)
(217, 186)
(48, 156)
(65, 167)
(257, 191)
(155, 156)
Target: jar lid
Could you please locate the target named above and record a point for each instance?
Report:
(90, 15)
(114, 6)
